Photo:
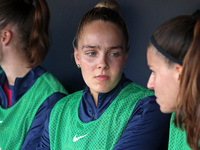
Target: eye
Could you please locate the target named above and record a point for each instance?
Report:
(152, 71)
(115, 54)
(91, 53)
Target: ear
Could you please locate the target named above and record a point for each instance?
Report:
(76, 56)
(6, 36)
(178, 69)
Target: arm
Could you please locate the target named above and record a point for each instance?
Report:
(34, 134)
(45, 141)
(148, 128)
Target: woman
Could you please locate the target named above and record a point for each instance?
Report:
(27, 91)
(112, 112)
(188, 102)
(166, 51)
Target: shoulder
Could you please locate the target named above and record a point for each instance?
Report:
(135, 91)
(52, 100)
(146, 122)
(68, 99)
(148, 103)
(50, 82)
(148, 109)
(62, 107)
(136, 88)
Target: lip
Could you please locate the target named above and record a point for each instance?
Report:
(102, 78)
(157, 101)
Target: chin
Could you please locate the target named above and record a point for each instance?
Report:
(104, 89)
(166, 110)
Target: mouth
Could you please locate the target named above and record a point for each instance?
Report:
(158, 102)
(102, 78)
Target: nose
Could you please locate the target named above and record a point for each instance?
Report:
(103, 62)
(150, 83)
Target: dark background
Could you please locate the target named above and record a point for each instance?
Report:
(142, 18)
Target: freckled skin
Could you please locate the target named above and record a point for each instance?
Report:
(101, 54)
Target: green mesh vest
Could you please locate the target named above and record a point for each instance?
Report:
(177, 137)
(16, 121)
(68, 132)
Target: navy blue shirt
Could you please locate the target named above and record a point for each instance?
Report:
(148, 128)
(21, 86)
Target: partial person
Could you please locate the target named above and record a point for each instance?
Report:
(111, 112)
(27, 91)
(175, 77)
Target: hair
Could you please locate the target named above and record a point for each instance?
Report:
(106, 11)
(174, 37)
(188, 108)
(31, 17)
(179, 38)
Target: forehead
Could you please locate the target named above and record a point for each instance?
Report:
(154, 58)
(101, 31)
(100, 24)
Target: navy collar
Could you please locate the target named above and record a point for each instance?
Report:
(88, 110)
(21, 85)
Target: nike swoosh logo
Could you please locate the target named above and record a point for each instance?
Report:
(77, 138)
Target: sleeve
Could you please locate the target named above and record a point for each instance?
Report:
(45, 141)
(147, 129)
(34, 134)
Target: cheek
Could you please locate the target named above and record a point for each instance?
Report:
(161, 87)
(87, 68)
(116, 69)
(174, 90)
(118, 63)
(87, 63)
(167, 88)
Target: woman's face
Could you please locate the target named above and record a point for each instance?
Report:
(101, 55)
(164, 80)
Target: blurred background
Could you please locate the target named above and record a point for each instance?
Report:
(142, 18)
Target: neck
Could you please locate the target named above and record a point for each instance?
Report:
(15, 66)
(13, 72)
(95, 98)
(13, 59)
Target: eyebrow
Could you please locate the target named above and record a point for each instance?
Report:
(115, 47)
(98, 47)
(90, 46)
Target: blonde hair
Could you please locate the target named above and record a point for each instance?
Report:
(112, 4)
(106, 11)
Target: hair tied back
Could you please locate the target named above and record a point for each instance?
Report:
(111, 4)
(196, 14)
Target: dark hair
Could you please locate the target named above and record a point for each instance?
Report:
(175, 36)
(189, 93)
(31, 17)
(106, 13)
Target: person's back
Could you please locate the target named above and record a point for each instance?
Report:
(27, 91)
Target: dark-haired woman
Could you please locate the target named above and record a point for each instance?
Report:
(27, 91)
(177, 84)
